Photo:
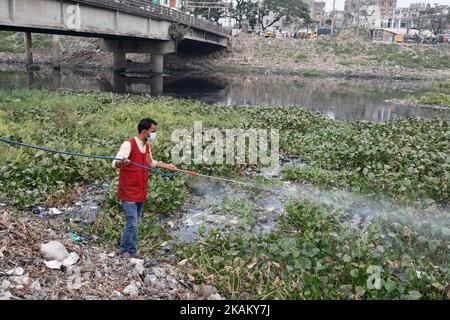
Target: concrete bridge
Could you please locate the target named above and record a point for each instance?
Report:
(125, 26)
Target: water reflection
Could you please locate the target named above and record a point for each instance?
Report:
(335, 97)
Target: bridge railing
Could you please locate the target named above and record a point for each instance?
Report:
(146, 8)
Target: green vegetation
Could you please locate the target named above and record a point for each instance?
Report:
(394, 54)
(13, 41)
(442, 84)
(405, 158)
(313, 253)
(312, 73)
(432, 98)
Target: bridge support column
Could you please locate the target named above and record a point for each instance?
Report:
(28, 45)
(157, 85)
(119, 61)
(156, 49)
(56, 51)
(157, 63)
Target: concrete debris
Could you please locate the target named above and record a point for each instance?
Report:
(5, 285)
(53, 264)
(54, 250)
(5, 295)
(54, 211)
(15, 272)
(150, 279)
(138, 265)
(71, 259)
(131, 290)
(159, 272)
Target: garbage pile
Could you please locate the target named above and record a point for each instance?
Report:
(39, 261)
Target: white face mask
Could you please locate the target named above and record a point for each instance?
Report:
(152, 136)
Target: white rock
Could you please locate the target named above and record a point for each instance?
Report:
(131, 290)
(5, 285)
(54, 250)
(135, 261)
(5, 295)
(53, 264)
(150, 279)
(138, 265)
(71, 259)
(189, 222)
(159, 272)
(54, 211)
(15, 272)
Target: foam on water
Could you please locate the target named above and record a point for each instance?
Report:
(269, 200)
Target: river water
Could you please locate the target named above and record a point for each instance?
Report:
(338, 98)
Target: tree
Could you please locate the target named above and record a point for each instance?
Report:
(208, 9)
(279, 9)
(243, 9)
(213, 14)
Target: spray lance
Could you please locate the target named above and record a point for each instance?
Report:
(76, 154)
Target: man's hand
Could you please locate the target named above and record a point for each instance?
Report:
(120, 163)
(171, 167)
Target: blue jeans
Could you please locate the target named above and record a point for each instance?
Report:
(133, 212)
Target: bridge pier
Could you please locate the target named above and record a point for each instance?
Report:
(119, 61)
(157, 63)
(154, 49)
(56, 51)
(28, 45)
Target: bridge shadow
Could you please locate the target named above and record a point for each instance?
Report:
(190, 47)
(187, 85)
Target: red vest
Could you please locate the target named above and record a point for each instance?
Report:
(133, 181)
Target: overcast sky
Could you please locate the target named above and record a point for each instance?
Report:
(400, 3)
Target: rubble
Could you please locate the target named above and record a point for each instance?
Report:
(5, 295)
(138, 265)
(54, 250)
(131, 290)
(94, 272)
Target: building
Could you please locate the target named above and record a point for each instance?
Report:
(420, 16)
(174, 4)
(389, 35)
(372, 13)
(317, 12)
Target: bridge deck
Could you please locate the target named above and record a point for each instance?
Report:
(147, 9)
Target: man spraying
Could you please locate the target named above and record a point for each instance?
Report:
(133, 182)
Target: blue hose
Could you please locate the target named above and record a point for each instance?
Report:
(76, 154)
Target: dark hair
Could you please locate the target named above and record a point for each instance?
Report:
(146, 124)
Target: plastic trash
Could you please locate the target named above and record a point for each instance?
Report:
(76, 237)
